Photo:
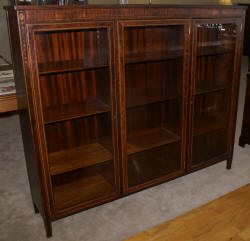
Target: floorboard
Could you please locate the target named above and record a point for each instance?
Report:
(226, 218)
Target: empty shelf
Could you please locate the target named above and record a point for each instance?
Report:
(71, 65)
(78, 157)
(148, 139)
(133, 58)
(81, 191)
(74, 110)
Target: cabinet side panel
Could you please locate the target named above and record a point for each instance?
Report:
(25, 123)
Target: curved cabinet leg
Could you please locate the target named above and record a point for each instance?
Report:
(229, 163)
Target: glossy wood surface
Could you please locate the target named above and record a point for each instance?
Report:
(225, 218)
(153, 91)
(107, 108)
(213, 82)
(245, 131)
(79, 157)
(80, 191)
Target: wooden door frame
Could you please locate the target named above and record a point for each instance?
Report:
(235, 87)
(38, 110)
(122, 99)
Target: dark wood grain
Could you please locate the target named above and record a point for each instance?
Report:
(153, 163)
(214, 80)
(80, 191)
(69, 65)
(70, 50)
(78, 157)
(62, 89)
(213, 50)
(154, 68)
(209, 145)
(153, 82)
(74, 110)
(153, 56)
(148, 139)
(211, 111)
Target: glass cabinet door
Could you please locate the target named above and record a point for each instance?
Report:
(213, 82)
(75, 81)
(154, 64)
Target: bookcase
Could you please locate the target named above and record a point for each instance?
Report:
(117, 98)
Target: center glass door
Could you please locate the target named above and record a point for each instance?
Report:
(154, 63)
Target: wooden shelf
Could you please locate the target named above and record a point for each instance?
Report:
(79, 157)
(74, 110)
(148, 139)
(209, 145)
(213, 50)
(149, 97)
(71, 65)
(154, 163)
(205, 124)
(213, 86)
(134, 58)
(81, 191)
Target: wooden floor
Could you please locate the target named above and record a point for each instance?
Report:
(226, 218)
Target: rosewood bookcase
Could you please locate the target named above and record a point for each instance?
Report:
(117, 98)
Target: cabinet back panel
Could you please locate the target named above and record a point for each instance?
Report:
(83, 185)
(166, 114)
(154, 163)
(71, 45)
(213, 104)
(75, 87)
(151, 82)
(217, 35)
(106, 169)
(153, 39)
(73, 133)
(209, 145)
(214, 71)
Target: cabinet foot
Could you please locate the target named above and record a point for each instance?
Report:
(242, 143)
(229, 163)
(35, 208)
(48, 227)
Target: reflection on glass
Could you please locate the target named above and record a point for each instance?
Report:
(213, 87)
(154, 58)
(75, 89)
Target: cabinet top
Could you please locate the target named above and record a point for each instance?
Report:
(37, 13)
(62, 4)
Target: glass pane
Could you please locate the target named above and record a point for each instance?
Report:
(75, 88)
(215, 56)
(213, 88)
(71, 50)
(154, 79)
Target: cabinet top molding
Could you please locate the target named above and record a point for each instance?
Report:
(120, 5)
(35, 14)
